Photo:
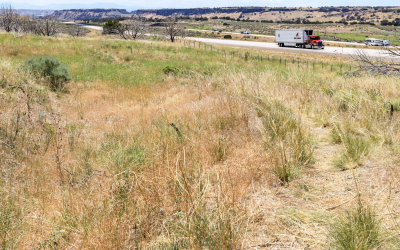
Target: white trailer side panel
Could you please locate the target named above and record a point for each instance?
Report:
(291, 36)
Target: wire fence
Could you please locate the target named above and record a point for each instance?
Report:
(282, 60)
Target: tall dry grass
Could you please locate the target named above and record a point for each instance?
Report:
(179, 160)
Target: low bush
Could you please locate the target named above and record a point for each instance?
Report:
(227, 37)
(50, 69)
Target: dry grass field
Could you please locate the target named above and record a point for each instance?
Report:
(184, 148)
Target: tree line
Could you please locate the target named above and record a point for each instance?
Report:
(134, 28)
(11, 21)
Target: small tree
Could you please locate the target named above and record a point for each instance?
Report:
(131, 29)
(111, 27)
(46, 27)
(173, 29)
(77, 31)
(8, 18)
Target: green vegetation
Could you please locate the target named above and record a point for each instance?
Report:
(50, 69)
(360, 229)
(184, 146)
(283, 129)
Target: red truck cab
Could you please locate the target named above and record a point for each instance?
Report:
(315, 41)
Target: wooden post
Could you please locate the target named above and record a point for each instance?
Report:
(131, 50)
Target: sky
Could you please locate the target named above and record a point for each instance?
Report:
(140, 4)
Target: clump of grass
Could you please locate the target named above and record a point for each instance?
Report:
(360, 229)
(355, 146)
(396, 105)
(205, 226)
(348, 99)
(10, 220)
(284, 133)
(219, 149)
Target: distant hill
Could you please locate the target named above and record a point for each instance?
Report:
(89, 14)
(200, 11)
(343, 14)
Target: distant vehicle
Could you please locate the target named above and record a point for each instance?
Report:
(376, 42)
(373, 42)
(246, 32)
(298, 38)
(386, 42)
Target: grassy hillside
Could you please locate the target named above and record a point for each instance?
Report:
(176, 147)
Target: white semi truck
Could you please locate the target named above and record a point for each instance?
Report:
(298, 38)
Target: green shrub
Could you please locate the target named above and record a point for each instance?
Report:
(111, 27)
(358, 230)
(171, 70)
(227, 37)
(50, 69)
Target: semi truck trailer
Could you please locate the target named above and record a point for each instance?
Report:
(298, 38)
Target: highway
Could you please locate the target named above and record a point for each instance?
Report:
(329, 50)
(269, 36)
(332, 51)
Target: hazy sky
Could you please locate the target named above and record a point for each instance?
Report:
(135, 4)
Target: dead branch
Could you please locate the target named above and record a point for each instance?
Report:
(378, 66)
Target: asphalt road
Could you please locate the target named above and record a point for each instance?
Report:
(269, 36)
(331, 51)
